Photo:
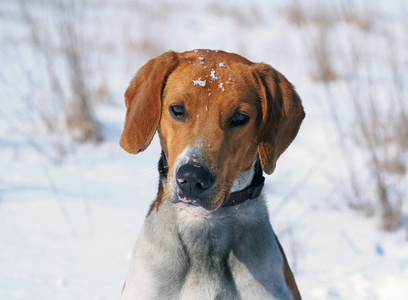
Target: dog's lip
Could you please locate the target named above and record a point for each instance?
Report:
(179, 198)
(182, 199)
(185, 200)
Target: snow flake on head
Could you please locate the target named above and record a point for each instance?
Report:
(213, 76)
(221, 65)
(200, 82)
(221, 86)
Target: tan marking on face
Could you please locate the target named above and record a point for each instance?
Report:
(212, 88)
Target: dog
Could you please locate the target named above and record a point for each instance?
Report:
(222, 121)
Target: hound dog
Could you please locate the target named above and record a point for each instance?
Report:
(222, 120)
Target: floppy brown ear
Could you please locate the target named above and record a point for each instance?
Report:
(282, 114)
(143, 102)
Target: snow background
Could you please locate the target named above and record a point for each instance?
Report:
(67, 229)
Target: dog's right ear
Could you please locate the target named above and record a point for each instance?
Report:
(282, 114)
(143, 102)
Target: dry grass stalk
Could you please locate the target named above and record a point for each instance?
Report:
(62, 110)
(380, 130)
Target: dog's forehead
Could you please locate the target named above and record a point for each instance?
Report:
(213, 76)
(213, 67)
(204, 55)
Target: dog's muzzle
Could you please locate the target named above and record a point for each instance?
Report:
(194, 184)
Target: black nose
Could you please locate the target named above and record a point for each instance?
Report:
(193, 180)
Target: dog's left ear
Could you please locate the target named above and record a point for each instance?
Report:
(143, 102)
(282, 114)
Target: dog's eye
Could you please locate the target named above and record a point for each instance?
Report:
(239, 120)
(178, 111)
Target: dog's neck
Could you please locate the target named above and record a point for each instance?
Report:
(249, 186)
(244, 180)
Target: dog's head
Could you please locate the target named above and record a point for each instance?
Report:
(215, 113)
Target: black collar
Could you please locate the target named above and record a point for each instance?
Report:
(235, 198)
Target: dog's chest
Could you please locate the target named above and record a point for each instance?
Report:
(183, 256)
(208, 248)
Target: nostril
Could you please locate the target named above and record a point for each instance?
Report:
(199, 186)
(181, 180)
(203, 185)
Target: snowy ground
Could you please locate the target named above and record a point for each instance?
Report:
(67, 230)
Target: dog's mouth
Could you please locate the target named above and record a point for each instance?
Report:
(206, 202)
(182, 198)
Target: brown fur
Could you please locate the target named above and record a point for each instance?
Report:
(156, 204)
(143, 103)
(282, 115)
(228, 152)
(289, 278)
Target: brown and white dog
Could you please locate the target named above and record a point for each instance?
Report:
(221, 120)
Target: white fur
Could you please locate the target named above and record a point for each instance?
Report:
(189, 253)
(244, 180)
